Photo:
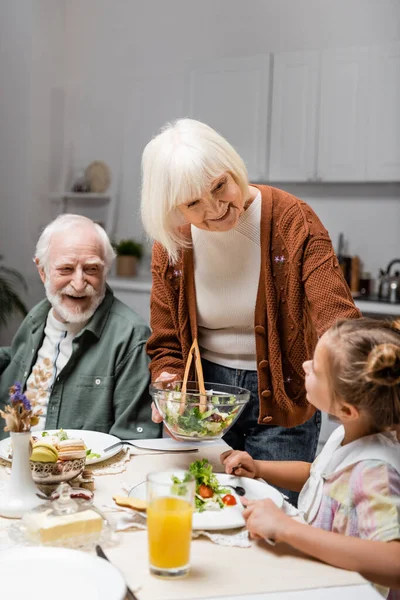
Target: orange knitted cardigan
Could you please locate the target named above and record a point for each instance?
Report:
(301, 293)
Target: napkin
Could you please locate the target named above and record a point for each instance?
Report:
(125, 518)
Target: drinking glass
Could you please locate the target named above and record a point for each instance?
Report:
(170, 502)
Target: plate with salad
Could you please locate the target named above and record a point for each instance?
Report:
(95, 442)
(217, 505)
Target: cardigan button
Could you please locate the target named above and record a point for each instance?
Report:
(259, 329)
(267, 419)
(266, 393)
(263, 364)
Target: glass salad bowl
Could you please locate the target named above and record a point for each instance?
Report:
(195, 416)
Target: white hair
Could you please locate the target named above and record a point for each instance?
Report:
(66, 222)
(180, 164)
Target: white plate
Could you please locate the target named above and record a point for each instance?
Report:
(60, 571)
(229, 517)
(164, 444)
(96, 441)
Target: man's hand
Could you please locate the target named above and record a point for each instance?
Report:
(156, 416)
(239, 463)
(264, 520)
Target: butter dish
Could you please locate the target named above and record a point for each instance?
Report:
(63, 521)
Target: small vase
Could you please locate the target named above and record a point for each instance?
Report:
(126, 266)
(19, 495)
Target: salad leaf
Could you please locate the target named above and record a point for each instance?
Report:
(178, 489)
(202, 471)
(191, 420)
(62, 435)
(90, 454)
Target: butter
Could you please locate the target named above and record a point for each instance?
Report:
(50, 528)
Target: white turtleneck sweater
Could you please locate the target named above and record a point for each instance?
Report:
(226, 272)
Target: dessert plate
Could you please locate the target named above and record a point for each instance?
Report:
(90, 576)
(229, 517)
(95, 441)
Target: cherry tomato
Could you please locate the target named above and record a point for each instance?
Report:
(229, 500)
(205, 491)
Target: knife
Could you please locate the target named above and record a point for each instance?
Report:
(129, 594)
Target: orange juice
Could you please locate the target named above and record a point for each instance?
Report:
(169, 525)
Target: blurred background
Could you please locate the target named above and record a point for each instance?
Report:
(308, 92)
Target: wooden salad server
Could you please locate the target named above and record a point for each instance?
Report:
(199, 372)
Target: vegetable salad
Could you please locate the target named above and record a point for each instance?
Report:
(209, 495)
(216, 419)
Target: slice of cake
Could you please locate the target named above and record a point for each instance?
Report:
(50, 528)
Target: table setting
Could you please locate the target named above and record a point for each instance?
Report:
(160, 513)
(263, 569)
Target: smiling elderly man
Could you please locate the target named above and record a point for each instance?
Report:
(81, 353)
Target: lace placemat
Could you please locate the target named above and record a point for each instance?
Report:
(112, 466)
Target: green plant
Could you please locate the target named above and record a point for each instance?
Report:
(10, 300)
(129, 248)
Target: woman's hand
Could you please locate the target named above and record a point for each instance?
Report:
(156, 416)
(264, 520)
(239, 463)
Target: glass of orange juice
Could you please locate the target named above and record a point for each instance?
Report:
(170, 502)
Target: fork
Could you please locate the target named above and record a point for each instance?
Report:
(129, 594)
(160, 450)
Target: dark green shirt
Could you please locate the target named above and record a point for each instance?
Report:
(103, 386)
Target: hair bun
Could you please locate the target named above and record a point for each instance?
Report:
(383, 364)
(395, 325)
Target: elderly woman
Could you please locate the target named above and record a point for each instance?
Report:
(247, 269)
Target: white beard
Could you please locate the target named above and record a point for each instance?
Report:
(77, 315)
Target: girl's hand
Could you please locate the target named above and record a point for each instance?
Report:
(264, 520)
(156, 416)
(239, 463)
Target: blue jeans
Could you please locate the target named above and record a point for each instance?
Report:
(264, 442)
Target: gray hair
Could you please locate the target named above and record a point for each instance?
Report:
(64, 223)
(179, 164)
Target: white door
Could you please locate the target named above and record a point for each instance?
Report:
(342, 135)
(384, 127)
(294, 116)
(231, 95)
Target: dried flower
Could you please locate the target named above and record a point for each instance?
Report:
(21, 413)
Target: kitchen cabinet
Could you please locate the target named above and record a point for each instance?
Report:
(383, 159)
(294, 116)
(232, 96)
(343, 115)
(335, 116)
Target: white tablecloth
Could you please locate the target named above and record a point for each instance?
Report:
(215, 570)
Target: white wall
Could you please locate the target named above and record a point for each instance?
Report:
(125, 72)
(31, 41)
